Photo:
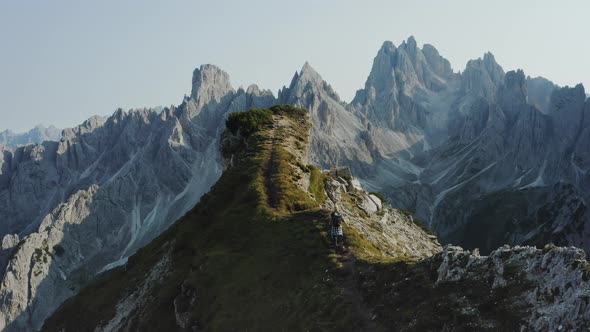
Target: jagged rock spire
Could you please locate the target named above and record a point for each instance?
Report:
(514, 91)
(209, 83)
(482, 77)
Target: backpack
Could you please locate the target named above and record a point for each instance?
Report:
(336, 219)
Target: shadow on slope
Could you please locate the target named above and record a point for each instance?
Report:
(415, 302)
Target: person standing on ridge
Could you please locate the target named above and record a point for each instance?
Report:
(336, 226)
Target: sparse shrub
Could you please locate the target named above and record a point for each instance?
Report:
(248, 122)
(316, 184)
(295, 113)
(37, 255)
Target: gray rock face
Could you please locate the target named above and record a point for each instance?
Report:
(540, 91)
(520, 149)
(209, 84)
(399, 78)
(338, 136)
(39, 134)
(482, 77)
(567, 111)
(109, 186)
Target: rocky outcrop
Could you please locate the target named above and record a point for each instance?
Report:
(394, 233)
(552, 284)
(512, 289)
(130, 308)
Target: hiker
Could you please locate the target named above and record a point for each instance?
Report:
(336, 226)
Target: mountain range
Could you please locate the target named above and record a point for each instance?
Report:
(38, 134)
(484, 157)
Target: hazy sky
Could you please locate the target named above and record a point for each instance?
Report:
(63, 61)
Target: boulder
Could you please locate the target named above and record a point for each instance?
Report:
(377, 201)
(354, 184)
(10, 241)
(368, 205)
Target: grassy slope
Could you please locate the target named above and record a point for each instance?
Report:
(254, 250)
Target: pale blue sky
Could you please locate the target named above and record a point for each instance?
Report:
(63, 61)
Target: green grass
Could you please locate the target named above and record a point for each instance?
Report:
(316, 184)
(283, 192)
(364, 249)
(248, 122)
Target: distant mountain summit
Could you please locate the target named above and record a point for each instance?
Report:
(39, 134)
